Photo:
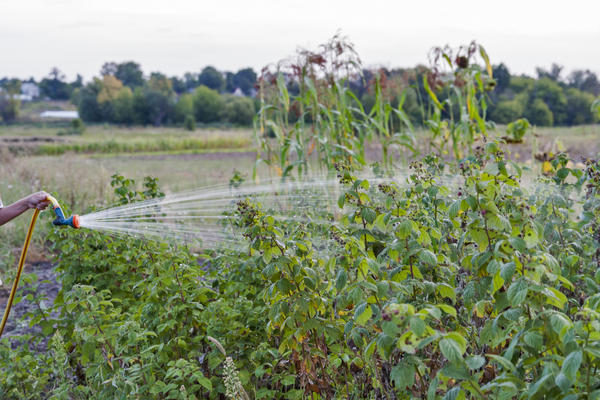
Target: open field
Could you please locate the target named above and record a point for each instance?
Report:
(47, 139)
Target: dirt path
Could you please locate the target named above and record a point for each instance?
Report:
(44, 291)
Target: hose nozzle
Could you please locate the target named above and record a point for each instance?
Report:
(72, 221)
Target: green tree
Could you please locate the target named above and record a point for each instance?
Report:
(519, 84)
(123, 106)
(211, 78)
(54, 86)
(538, 113)
(9, 102)
(238, 110)
(553, 73)
(502, 76)
(579, 107)
(245, 79)
(551, 93)
(586, 81)
(184, 107)
(130, 73)
(159, 99)
(140, 107)
(208, 105)
(9, 107)
(189, 122)
(506, 111)
(87, 101)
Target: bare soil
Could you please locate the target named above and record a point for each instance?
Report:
(44, 291)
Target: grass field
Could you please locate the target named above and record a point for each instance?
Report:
(47, 139)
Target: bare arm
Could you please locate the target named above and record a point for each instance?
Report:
(37, 200)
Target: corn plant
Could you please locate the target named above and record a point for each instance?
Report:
(323, 118)
(459, 117)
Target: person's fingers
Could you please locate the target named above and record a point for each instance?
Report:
(38, 200)
(42, 205)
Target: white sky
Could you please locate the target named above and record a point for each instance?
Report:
(175, 36)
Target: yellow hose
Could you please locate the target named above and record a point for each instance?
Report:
(19, 270)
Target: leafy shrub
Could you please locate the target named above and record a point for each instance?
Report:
(190, 122)
(208, 105)
(539, 113)
(76, 127)
(507, 111)
(516, 130)
(238, 110)
(421, 290)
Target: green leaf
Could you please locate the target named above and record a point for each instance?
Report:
(506, 364)
(403, 376)
(363, 313)
(451, 350)
(497, 282)
(533, 389)
(431, 391)
(531, 238)
(475, 362)
(342, 200)
(562, 382)
(428, 257)
(341, 279)
(453, 394)
(404, 229)
(284, 286)
(454, 209)
(534, 339)
(571, 365)
(204, 381)
(447, 309)
(417, 325)
(446, 291)
(491, 169)
(517, 292)
(554, 297)
(369, 214)
(518, 243)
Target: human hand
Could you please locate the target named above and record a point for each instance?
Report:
(37, 200)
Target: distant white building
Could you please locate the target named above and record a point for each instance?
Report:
(30, 90)
(60, 114)
(238, 92)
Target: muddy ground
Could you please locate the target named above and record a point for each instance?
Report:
(44, 291)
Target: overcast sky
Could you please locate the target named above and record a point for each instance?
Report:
(175, 36)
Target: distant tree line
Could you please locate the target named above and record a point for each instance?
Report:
(122, 94)
(547, 100)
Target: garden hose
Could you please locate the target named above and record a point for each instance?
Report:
(73, 221)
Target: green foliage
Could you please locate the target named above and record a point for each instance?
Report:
(539, 113)
(458, 118)
(579, 108)
(421, 290)
(208, 104)
(189, 122)
(507, 111)
(596, 107)
(238, 111)
(184, 107)
(211, 78)
(322, 118)
(516, 130)
(9, 107)
(76, 127)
